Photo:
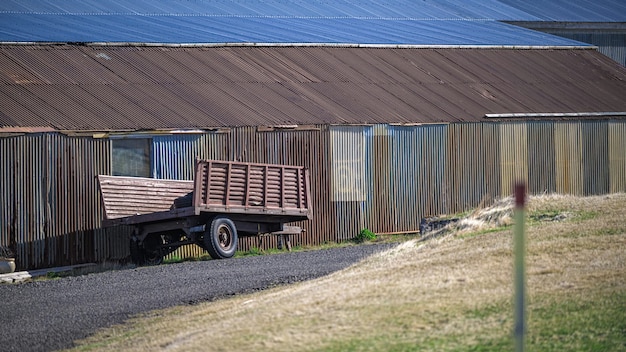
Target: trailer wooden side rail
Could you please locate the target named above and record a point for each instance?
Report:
(225, 199)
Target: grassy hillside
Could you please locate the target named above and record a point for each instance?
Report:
(452, 292)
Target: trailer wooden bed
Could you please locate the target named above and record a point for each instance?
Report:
(226, 199)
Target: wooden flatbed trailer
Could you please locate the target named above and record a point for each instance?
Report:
(226, 199)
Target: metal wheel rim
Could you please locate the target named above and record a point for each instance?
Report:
(153, 257)
(224, 237)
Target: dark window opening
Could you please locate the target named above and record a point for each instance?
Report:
(131, 157)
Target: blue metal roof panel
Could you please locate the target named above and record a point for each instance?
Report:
(232, 29)
(571, 10)
(442, 9)
(504, 10)
(445, 22)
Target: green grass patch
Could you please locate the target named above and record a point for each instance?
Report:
(585, 215)
(173, 260)
(365, 235)
(252, 252)
(582, 321)
(545, 215)
(579, 322)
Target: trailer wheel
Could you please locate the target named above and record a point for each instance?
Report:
(220, 239)
(152, 247)
(136, 252)
(149, 252)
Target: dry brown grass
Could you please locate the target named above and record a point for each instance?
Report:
(447, 293)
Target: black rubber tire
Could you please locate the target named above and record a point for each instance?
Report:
(152, 251)
(149, 252)
(136, 253)
(220, 239)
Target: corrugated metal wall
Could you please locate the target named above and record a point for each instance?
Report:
(51, 211)
(513, 155)
(617, 157)
(474, 166)
(541, 158)
(567, 158)
(381, 177)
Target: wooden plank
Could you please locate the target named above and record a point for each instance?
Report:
(127, 196)
(219, 186)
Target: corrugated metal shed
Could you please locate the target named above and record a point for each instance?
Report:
(138, 88)
(338, 21)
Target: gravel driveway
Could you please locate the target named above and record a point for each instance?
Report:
(50, 315)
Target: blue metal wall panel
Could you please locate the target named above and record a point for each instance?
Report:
(419, 183)
(349, 168)
(173, 156)
(407, 182)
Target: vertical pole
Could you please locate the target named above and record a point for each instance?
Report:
(520, 271)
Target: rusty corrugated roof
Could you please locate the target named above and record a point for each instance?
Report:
(146, 88)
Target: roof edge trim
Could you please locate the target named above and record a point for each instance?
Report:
(26, 129)
(331, 45)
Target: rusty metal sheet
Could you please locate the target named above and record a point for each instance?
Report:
(472, 166)
(568, 150)
(595, 157)
(617, 156)
(143, 88)
(541, 165)
(513, 156)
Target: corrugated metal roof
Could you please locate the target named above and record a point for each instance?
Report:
(274, 21)
(147, 88)
(570, 10)
(198, 29)
(441, 9)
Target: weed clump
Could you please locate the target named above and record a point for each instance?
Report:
(365, 235)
